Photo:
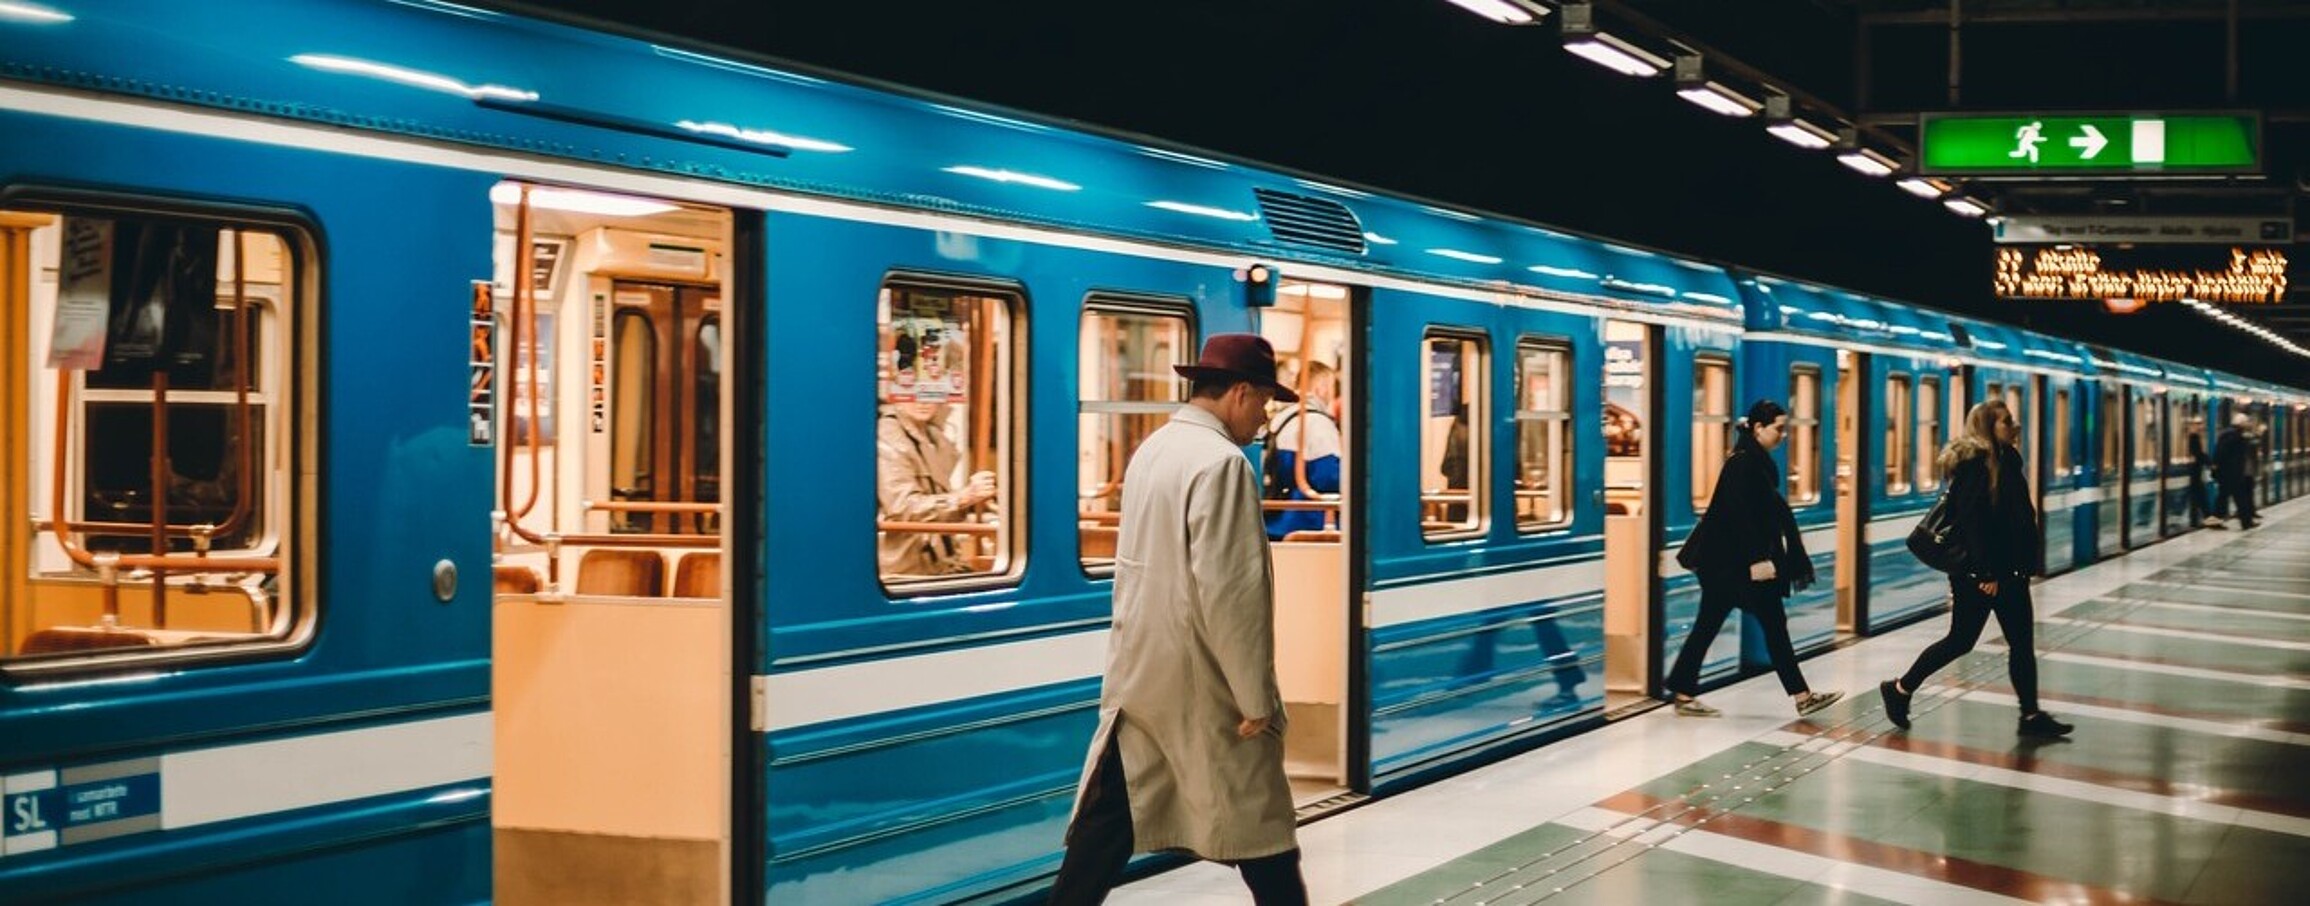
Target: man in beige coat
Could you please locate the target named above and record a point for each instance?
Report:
(1188, 756)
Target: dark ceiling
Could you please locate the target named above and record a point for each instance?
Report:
(1421, 97)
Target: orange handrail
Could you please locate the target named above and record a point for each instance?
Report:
(939, 528)
(652, 506)
(517, 321)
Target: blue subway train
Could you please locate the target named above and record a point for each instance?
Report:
(520, 462)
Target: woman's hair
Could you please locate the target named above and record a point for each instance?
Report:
(1980, 438)
(1762, 413)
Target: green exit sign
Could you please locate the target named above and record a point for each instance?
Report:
(2079, 145)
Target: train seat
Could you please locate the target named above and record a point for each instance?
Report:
(60, 639)
(511, 579)
(698, 575)
(1099, 541)
(621, 573)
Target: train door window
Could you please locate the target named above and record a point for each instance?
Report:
(2061, 454)
(633, 412)
(1452, 435)
(1712, 418)
(947, 486)
(2112, 435)
(1899, 418)
(1543, 434)
(2012, 398)
(665, 407)
(1127, 390)
(172, 378)
(1928, 432)
(2145, 430)
(1805, 435)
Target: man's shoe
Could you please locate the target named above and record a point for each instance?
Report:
(1692, 707)
(1816, 701)
(2044, 726)
(1896, 703)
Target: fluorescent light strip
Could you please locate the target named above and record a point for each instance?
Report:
(1501, 11)
(32, 13)
(1867, 162)
(1802, 134)
(1202, 211)
(579, 202)
(1617, 55)
(1716, 98)
(764, 137)
(1013, 176)
(1922, 187)
(412, 77)
(1966, 206)
(1457, 255)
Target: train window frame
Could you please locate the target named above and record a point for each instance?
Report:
(285, 387)
(1112, 304)
(2146, 428)
(1710, 430)
(1474, 376)
(2062, 458)
(1010, 404)
(2112, 424)
(1559, 491)
(1900, 426)
(1928, 404)
(1805, 436)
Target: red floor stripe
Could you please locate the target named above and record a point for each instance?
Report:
(1997, 879)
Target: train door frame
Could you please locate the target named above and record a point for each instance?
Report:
(1348, 762)
(1851, 409)
(1637, 555)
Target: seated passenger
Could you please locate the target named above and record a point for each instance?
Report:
(915, 465)
(1310, 423)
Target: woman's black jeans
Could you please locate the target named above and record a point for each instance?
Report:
(1719, 595)
(1969, 611)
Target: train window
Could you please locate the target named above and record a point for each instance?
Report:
(633, 399)
(1928, 433)
(1127, 390)
(2061, 454)
(1805, 435)
(1543, 434)
(946, 486)
(2145, 429)
(2112, 429)
(171, 367)
(1452, 435)
(1899, 418)
(1712, 418)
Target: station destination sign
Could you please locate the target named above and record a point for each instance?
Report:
(2063, 144)
(2038, 229)
(2148, 274)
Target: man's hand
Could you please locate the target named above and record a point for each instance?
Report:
(1762, 571)
(1250, 727)
(1989, 588)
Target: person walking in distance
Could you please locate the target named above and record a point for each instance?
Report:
(2234, 468)
(1188, 755)
(2198, 462)
(1748, 554)
(1994, 530)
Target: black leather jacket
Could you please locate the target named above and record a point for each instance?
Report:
(1996, 533)
(1747, 521)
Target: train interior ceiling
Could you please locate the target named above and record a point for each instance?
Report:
(609, 535)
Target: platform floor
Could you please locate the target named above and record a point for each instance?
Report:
(2185, 666)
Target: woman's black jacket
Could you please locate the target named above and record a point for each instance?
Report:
(1996, 534)
(1747, 521)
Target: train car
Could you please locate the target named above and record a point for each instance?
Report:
(455, 456)
(2188, 437)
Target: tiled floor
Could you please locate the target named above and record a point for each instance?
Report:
(2185, 666)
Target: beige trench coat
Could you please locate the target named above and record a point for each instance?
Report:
(1193, 651)
(914, 465)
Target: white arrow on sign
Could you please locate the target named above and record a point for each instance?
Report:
(2092, 141)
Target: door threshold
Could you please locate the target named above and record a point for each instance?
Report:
(1624, 705)
(1330, 805)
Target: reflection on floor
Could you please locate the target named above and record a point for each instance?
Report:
(2185, 666)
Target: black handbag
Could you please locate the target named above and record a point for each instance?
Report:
(1934, 540)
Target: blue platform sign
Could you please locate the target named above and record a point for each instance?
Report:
(42, 810)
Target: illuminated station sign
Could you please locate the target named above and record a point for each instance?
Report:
(2087, 145)
(2166, 274)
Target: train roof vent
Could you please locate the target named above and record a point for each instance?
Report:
(1310, 221)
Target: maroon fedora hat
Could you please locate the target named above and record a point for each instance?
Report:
(1238, 356)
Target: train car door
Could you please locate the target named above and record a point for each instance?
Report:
(1631, 653)
(1313, 329)
(612, 630)
(1852, 512)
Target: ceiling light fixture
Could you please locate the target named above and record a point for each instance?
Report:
(1784, 124)
(1923, 187)
(1582, 38)
(1965, 206)
(1868, 162)
(1693, 84)
(1506, 12)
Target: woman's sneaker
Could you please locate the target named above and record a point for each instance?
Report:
(1692, 707)
(1896, 703)
(2043, 725)
(1816, 701)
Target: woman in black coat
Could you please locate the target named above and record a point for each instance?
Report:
(1748, 554)
(1994, 527)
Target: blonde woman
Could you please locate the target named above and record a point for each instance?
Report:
(1997, 544)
